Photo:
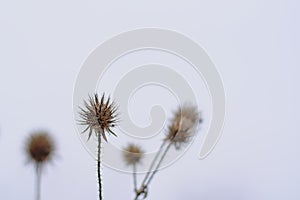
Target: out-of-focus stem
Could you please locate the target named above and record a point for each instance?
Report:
(153, 162)
(150, 174)
(38, 180)
(134, 177)
(159, 163)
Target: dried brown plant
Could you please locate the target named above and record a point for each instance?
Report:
(182, 128)
(39, 149)
(98, 117)
(132, 154)
(183, 125)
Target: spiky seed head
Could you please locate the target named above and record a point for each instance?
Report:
(40, 147)
(98, 116)
(132, 154)
(183, 125)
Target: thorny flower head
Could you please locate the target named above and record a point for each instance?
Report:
(183, 125)
(132, 154)
(98, 116)
(40, 147)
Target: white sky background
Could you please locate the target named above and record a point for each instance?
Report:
(255, 46)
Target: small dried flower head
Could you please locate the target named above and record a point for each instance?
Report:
(40, 147)
(132, 154)
(98, 116)
(183, 125)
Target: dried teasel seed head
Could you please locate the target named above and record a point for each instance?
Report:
(98, 116)
(183, 125)
(132, 154)
(40, 147)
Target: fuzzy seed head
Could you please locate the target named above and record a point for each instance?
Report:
(40, 147)
(183, 125)
(98, 116)
(132, 154)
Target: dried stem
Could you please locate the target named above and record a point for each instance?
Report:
(146, 181)
(153, 162)
(141, 191)
(159, 163)
(137, 196)
(134, 177)
(181, 129)
(38, 180)
(99, 166)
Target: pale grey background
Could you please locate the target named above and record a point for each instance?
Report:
(255, 46)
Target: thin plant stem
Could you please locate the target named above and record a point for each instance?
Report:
(38, 180)
(159, 163)
(153, 162)
(134, 177)
(136, 196)
(99, 166)
(150, 173)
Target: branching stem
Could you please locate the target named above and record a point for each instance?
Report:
(150, 174)
(159, 163)
(153, 162)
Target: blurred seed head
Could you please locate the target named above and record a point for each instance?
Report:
(183, 125)
(98, 116)
(132, 154)
(40, 147)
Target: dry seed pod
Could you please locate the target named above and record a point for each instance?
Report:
(132, 154)
(40, 147)
(98, 116)
(183, 125)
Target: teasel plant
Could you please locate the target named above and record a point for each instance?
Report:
(98, 117)
(182, 128)
(133, 155)
(40, 150)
